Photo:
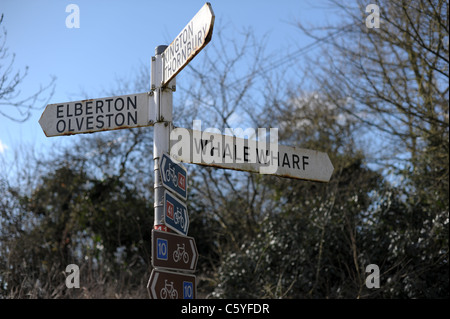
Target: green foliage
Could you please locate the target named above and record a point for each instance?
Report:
(306, 249)
(320, 248)
(100, 225)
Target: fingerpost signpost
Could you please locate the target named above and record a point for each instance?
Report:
(174, 254)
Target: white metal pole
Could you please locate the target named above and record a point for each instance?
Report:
(162, 128)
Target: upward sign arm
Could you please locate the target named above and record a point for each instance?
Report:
(191, 40)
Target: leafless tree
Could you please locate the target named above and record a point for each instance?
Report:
(13, 105)
(394, 78)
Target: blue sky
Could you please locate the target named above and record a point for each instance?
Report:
(115, 38)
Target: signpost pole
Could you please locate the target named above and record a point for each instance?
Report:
(162, 128)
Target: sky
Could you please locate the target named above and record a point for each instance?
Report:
(114, 38)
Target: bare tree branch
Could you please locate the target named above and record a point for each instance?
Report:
(13, 105)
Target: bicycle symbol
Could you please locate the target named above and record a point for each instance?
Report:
(171, 175)
(168, 291)
(180, 253)
(178, 217)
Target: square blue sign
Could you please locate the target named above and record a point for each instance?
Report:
(162, 249)
(188, 290)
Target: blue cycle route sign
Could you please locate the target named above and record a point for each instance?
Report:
(188, 290)
(174, 176)
(162, 249)
(175, 214)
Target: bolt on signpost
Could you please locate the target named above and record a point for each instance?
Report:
(174, 254)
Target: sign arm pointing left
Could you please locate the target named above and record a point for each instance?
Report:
(95, 115)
